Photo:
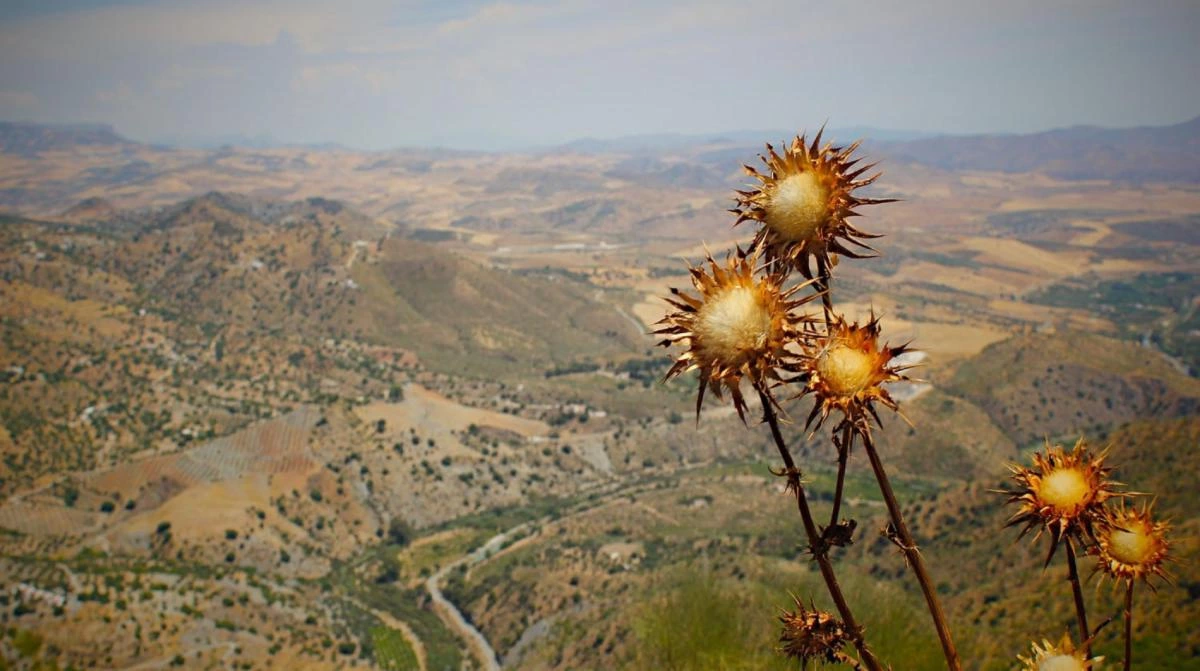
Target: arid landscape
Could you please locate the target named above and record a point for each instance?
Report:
(312, 407)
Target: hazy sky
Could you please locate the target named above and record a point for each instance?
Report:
(483, 74)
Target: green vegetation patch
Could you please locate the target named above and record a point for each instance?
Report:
(1152, 308)
(1184, 229)
(1033, 222)
(27, 643)
(433, 235)
(442, 648)
(698, 619)
(392, 651)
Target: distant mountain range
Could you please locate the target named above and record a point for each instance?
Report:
(652, 143)
(1142, 154)
(1147, 153)
(29, 139)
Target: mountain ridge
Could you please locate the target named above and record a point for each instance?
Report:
(1142, 153)
(27, 138)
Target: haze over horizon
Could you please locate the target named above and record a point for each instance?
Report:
(503, 75)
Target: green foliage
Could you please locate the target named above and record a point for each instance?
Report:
(701, 620)
(392, 651)
(27, 642)
(572, 368)
(400, 532)
(432, 235)
(700, 623)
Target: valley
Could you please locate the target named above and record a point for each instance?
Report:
(318, 408)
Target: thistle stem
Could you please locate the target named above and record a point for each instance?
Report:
(843, 457)
(912, 554)
(849, 661)
(820, 550)
(1128, 625)
(824, 280)
(1080, 611)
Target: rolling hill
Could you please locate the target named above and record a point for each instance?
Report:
(211, 312)
(1146, 154)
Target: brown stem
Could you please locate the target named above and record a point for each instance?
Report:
(1077, 589)
(912, 554)
(817, 545)
(824, 278)
(1128, 625)
(849, 661)
(843, 457)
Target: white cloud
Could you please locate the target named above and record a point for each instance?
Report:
(378, 72)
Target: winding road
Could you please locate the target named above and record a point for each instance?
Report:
(637, 325)
(480, 647)
(482, 650)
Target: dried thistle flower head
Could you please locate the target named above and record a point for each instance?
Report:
(845, 369)
(739, 327)
(1132, 544)
(1061, 657)
(1064, 493)
(804, 202)
(810, 634)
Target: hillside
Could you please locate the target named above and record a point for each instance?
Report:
(1049, 385)
(995, 575)
(44, 170)
(468, 319)
(1147, 154)
(618, 580)
(210, 313)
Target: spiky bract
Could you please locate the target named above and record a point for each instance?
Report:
(845, 369)
(1061, 657)
(740, 326)
(1133, 544)
(1063, 493)
(803, 204)
(811, 634)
